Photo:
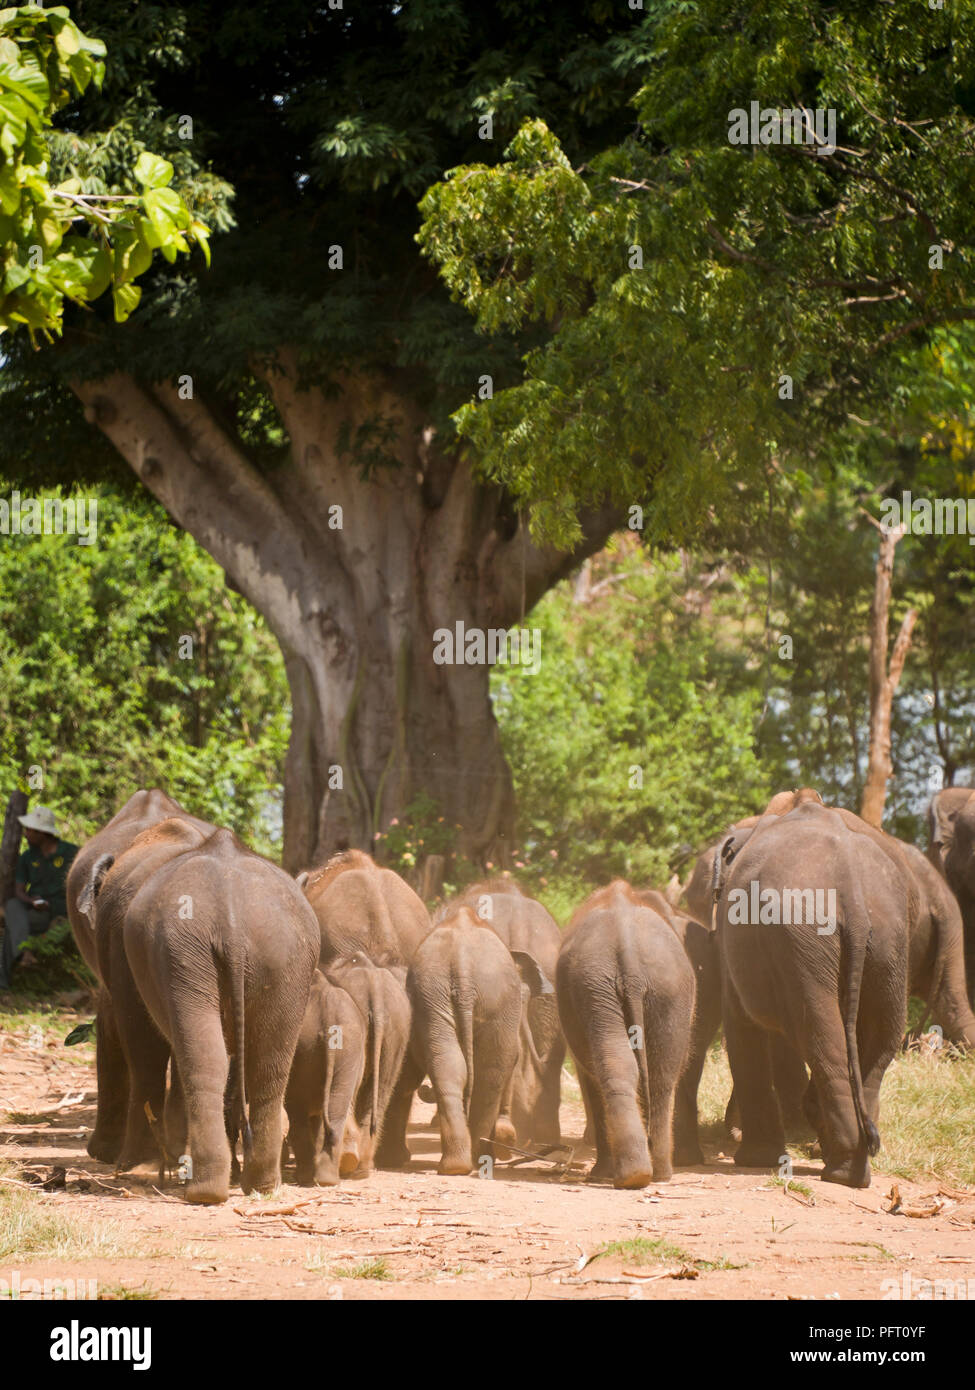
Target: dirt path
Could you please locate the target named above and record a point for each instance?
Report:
(713, 1232)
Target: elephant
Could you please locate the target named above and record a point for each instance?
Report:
(105, 900)
(535, 1089)
(951, 820)
(834, 984)
(222, 947)
(363, 907)
(626, 995)
(936, 969)
(464, 986)
(788, 1070)
(114, 1116)
(325, 1076)
(385, 1008)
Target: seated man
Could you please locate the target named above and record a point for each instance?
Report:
(39, 888)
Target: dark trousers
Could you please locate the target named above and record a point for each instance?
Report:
(20, 922)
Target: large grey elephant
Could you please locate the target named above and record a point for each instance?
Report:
(363, 907)
(951, 821)
(626, 999)
(464, 986)
(815, 918)
(118, 1129)
(325, 1076)
(222, 946)
(532, 1102)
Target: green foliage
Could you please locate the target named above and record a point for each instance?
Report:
(632, 687)
(71, 240)
(101, 689)
(657, 376)
(59, 964)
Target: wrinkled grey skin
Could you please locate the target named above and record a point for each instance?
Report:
(106, 899)
(222, 947)
(951, 822)
(362, 907)
(385, 1008)
(626, 999)
(465, 990)
(839, 999)
(325, 1076)
(530, 1107)
(937, 958)
(118, 1131)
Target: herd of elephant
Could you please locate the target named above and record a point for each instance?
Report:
(233, 995)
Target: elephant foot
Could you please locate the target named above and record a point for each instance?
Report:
(393, 1158)
(105, 1146)
(547, 1134)
(601, 1171)
(455, 1161)
(326, 1176)
(688, 1155)
(348, 1163)
(662, 1172)
(849, 1172)
(427, 1094)
(759, 1155)
(633, 1178)
(134, 1157)
(504, 1131)
(207, 1192)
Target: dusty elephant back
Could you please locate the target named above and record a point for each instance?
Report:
(145, 808)
(522, 923)
(466, 962)
(360, 907)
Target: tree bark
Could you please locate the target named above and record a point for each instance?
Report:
(10, 844)
(884, 678)
(356, 565)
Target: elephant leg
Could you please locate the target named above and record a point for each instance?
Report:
(687, 1144)
(302, 1140)
(762, 1137)
(664, 1055)
(617, 1078)
(495, 1059)
(112, 1074)
(602, 1169)
(844, 1149)
(448, 1073)
(146, 1054)
(393, 1151)
(503, 1128)
(201, 1055)
(732, 1116)
(546, 1128)
(175, 1113)
(266, 1078)
(351, 1140)
(791, 1079)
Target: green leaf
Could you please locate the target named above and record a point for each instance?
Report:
(126, 298)
(152, 171)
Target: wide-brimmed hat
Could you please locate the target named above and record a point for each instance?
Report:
(41, 818)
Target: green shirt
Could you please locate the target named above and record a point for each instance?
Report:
(43, 876)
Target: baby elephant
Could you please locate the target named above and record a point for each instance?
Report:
(325, 1077)
(385, 1009)
(465, 988)
(626, 1000)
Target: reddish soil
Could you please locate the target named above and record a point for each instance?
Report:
(526, 1234)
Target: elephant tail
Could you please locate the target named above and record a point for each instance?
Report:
(378, 1031)
(634, 1019)
(853, 950)
(464, 1020)
(236, 971)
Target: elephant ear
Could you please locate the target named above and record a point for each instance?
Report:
(302, 878)
(532, 973)
(92, 887)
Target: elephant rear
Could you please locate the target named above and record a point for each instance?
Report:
(626, 999)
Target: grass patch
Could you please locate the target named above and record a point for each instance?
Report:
(791, 1185)
(926, 1108)
(31, 1225)
(125, 1293)
(641, 1251)
(882, 1253)
(365, 1269)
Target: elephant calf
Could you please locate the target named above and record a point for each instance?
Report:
(465, 988)
(626, 1000)
(325, 1076)
(385, 1009)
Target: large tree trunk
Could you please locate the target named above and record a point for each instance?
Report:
(355, 573)
(884, 679)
